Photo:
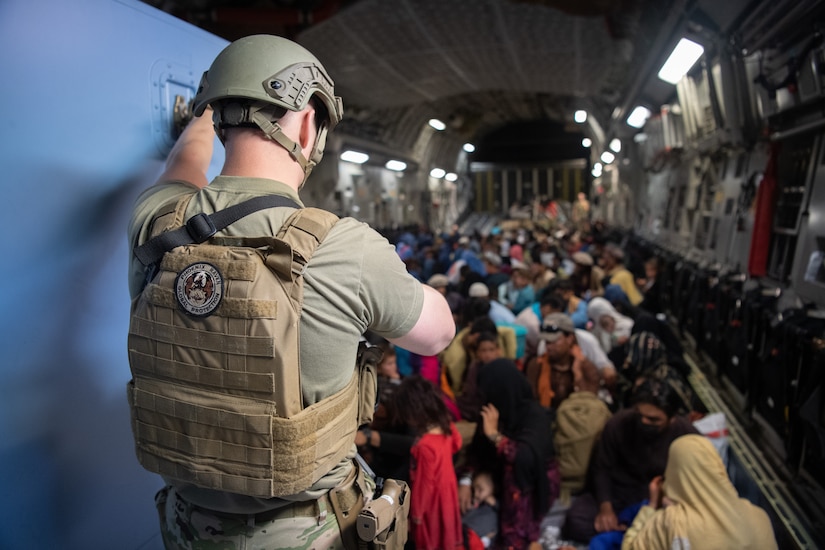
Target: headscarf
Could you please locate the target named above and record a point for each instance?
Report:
(646, 322)
(644, 352)
(707, 505)
(522, 419)
(599, 307)
(677, 383)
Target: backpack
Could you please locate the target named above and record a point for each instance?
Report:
(215, 395)
(580, 419)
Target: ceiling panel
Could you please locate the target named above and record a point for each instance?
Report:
(476, 64)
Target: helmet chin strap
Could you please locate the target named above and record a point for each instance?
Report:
(273, 131)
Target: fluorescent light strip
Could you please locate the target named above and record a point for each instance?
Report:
(396, 165)
(437, 124)
(638, 117)
(354, 156)
(683, 57)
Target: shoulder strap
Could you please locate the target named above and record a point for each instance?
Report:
(304, 230)
(201, 226)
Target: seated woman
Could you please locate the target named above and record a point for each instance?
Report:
(674, 354)
(697, 507)
(514, 441)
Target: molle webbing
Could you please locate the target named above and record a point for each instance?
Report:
(216, 400)
(272, 457)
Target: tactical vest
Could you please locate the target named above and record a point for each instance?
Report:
(215, 394)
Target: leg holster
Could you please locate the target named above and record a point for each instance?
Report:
(383, 522)
(348, 499)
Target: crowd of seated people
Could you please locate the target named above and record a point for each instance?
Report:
(564, 389)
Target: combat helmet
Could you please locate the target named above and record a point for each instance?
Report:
(256, 78)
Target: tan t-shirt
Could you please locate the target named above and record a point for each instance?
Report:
(355, 281)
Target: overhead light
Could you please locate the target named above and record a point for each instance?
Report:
(587, 142)
(580, 116)
(615, 145)
(638, 117)
(437, 124)
(683, 57)
(608, 157)
(641, 137)
(469, 147)
(354, 156)
(596, 173)
(451, 176)
(395, 165)
(597, 166)
(437, 173)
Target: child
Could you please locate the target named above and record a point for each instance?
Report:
(435, 518)
(388, 376)
(469, 402)
(482, 518)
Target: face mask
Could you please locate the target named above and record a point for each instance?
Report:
(647, 431)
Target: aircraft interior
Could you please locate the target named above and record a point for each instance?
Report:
(457, 113)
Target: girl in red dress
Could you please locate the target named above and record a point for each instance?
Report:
(435, 518)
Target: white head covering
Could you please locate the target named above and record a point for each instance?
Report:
(599, 307)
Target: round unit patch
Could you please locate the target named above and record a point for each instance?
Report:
(199, 289)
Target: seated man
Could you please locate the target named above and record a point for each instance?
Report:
(554, 374)
(617, 274)
(632, 451)
(552, 303)
(574, 306)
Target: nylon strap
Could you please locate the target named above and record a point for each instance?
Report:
(201, 226)
(274, 132)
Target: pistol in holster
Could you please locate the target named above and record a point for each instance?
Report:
(383, 522)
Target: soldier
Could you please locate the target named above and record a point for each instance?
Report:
(243, 464)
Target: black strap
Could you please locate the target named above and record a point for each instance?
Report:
(201, 226)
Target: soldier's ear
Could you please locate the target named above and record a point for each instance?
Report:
(308, 131)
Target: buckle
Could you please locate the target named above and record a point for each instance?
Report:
(200, 227)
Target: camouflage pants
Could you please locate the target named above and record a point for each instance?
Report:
(187, 527)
